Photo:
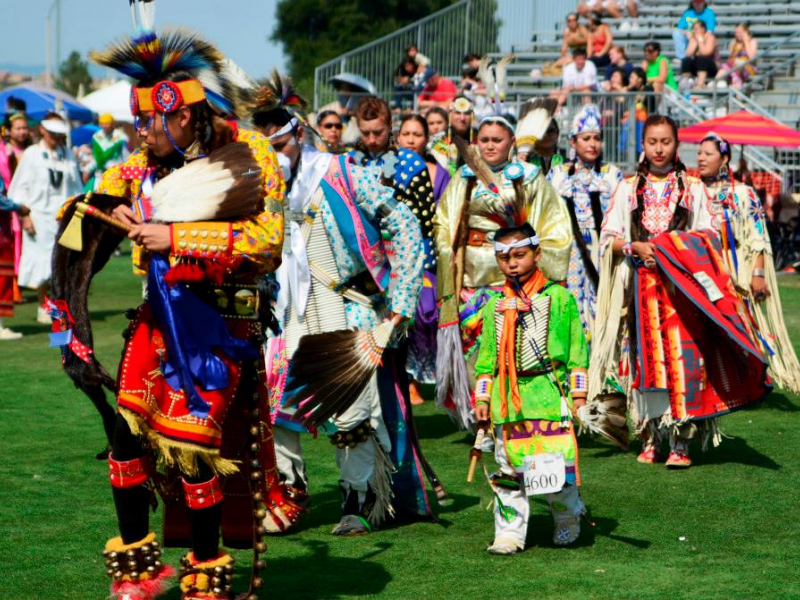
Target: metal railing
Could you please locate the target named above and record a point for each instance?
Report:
(467, 26)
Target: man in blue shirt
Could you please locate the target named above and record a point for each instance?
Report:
(698, 11)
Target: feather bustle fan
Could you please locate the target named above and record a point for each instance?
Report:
(329, 371)
(534, 122)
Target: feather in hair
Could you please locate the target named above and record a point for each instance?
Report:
(225, 184)
(475, 162)
(500, 74)
(486, 75)
(533, 125)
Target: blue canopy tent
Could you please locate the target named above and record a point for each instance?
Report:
(83, 134)
(39, 100)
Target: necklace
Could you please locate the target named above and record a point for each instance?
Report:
(657, 213)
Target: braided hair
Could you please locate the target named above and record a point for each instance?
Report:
(680, 219)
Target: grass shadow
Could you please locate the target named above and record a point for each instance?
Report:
(735, 450)
(540, 531)
(779, 401)
(317, 575)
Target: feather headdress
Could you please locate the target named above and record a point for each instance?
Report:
(148, 56)
(493, 76)
(278, 93)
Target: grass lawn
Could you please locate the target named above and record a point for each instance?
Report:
(727, 528)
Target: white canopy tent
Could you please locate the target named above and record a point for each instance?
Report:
(113, 99)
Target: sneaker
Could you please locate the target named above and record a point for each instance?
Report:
(567, 531)
(678, 460)
(649, 455)
(43, 317)
(504, 547)
(8, 334)
(415, 396)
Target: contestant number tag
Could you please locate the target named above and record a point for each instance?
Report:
(544, 474)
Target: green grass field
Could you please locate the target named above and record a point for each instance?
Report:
(727, 528)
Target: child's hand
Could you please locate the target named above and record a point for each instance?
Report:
(482, 412)
(578, 401)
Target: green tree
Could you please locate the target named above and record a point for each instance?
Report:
(315, 31)
(72, 73)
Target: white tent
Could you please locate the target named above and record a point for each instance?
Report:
(114, 99)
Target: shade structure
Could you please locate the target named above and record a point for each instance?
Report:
(114, 99)
(357, 83)
(83, 134)
(743, 128)
(39, 100)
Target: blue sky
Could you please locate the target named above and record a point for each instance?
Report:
(239, 27)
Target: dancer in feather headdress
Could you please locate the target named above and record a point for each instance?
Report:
(203, 200)
(587, 185)
(489, 192)
(337, 286)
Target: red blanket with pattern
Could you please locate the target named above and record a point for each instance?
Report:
(692, 338)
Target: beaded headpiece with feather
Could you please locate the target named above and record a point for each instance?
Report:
(147, 56)
(277, 101)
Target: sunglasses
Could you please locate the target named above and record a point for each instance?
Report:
(338, 126)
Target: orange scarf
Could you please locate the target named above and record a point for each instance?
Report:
(506, 356)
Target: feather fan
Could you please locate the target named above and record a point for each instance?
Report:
(225, 184)
(329, 371)
(532, 127)
(500, 69)
(606, 415)
(486, 75)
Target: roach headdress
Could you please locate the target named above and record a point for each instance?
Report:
(276, 102)
(148, 57)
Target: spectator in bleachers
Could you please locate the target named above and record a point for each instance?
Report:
(422, 61)
(609, 8)
(579, 76)
(436, 118)
(657, 68)
(599, 42)
(404, 85)
(743, 49)
(698, 11)
(330, 127)
(438, 91)
(701, 58)
(470, 81)
(613, 107)
(575, 36)
(619, 62)
(645, 104)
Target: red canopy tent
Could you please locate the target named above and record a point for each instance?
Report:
(745, 128)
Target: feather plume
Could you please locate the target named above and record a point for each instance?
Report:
(500, 74)
(606, 415)
(147, 56)
(533, 125)
(225, 184)
(486, 75)
(329, 371)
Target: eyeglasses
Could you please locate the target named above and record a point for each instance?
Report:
(338, 126)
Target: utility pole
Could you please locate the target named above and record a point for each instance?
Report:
(48, 49)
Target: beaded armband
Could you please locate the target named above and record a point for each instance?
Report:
(202, 240)
(627, 249)
(483, 389)
(202, 495)
(579, 381)
(128, 473)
